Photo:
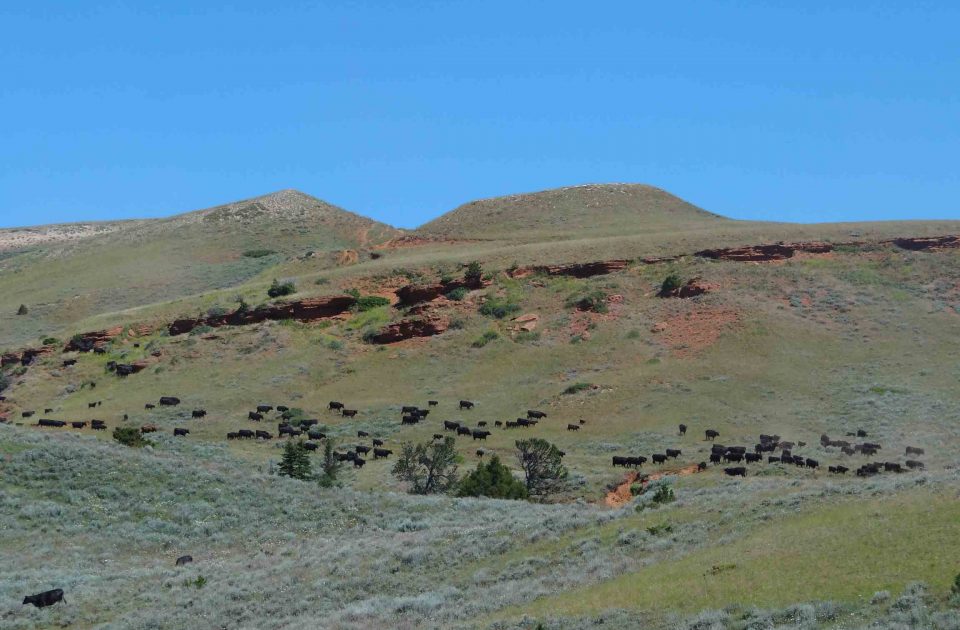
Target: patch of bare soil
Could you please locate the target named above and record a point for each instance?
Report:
(689, 331)
(621, 495)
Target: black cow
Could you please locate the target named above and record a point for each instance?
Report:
(198, 413)
(701, 466)
(409, 409)
(362, 449)
(348, 413)
(573, 427)
(861, 433)
(149, 406)
(659, 458)
(379, 453)
(812, 463)
(773, 460)
(683, 429)
(752, 458)
(362, 434)
(673, 452)
(619, 460)
(78, 425)
(466, 404)
(533, 413)
(715, 458)
(913, 464)
(438, 436)
(169, 401)
(264, 408)
(98, 425)
(253, 415)
(285, 429)
(358, 462)
(263, 435)
(738, 471)
(913, 450)
(523, 422)
(892, 467)
(91, 405)
(433, 403)
(482, 423)
(410, 419)
(182, 432)
(182, 560)
(282, 408)
(711, 434)
(463, 430)
(232, 435)
(450, 425)
(510, 424)
(309, 422)
(310, 446)
(846, 450)
(27, 414)
(246, 433)
(379, 442)
(423, 413)
(334, 405)
(46, 598)
(48, 410)
(479, 435)
(69, 362)
(43, 422)
(498, 423)
(123, 369)
(733, 456)
(481, 453)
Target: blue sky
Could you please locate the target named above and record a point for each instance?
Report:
(798, 111)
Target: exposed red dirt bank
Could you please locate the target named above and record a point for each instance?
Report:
(576, 270)
(932, 243)
(764, 253)
(410, 328)
(418, 293)
(693, 288)
(621, 495)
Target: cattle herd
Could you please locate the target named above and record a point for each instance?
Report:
(720, 454)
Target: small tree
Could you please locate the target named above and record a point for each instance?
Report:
(542, 466)
(671, 283)
(330, 466)
(130, 436)
(295, 461)
(427, 468)
(279, 289)
(494, 480)
(474, 273)
(23, 310)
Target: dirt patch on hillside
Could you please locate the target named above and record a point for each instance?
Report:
(621, 495)
(689, 332)
(582, 322)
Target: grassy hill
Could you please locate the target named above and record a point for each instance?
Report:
(861, 337)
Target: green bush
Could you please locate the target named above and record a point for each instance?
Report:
(633, 334)
(499, 307)
(576, 388)
(258, 253)
(485, 338)
(595, 301)
(457, 324)
(457, 294)
(130, 436)
(527, 336)
(671, 283)
(22, 310)
(474, 272)
(321, 281)
(278, 289)
(50, 341)
(663, 528)
(295, 461)
(956, 584)
(369, 302)
(217, 311)
(493, 480)
(4, 381)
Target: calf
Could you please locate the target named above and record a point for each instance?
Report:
(182, 560)
(282, 408)
(91, 405)
(463, 430)
(738, 471)
(358, 462)
(379, 442)
(482, 423)
(573, 427)
(449, 425)
(334, 405)
(362, 434)
(348, 413)
(379, 453)
(481, 453)
(683, 429)
(498, 423)
(149, 406)
(433, 403)
(711, 434)
(253, 415)
(701, 466)
(264, 408)
(182, 432)
(263, 435)
(466, 404)
(44, 599)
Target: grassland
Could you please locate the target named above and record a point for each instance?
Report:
(861, 338)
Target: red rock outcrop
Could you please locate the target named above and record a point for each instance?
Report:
(931, 243)
(418, 293)
(576, 270)
(765, 253)
(307, 310)
(25, 356)
(85, 342)
(409, 328)
(693, 287)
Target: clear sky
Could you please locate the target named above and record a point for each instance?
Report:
(802, 110)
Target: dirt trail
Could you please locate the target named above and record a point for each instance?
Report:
(622, 495)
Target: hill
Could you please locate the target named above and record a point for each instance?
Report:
(847, 340)
(144, 262)
(574, 212)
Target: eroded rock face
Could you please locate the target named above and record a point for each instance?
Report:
(25, 356)
(308, 310)
(575, 270)
(765, 253)
(410, 328)
(85, 342)
(931, 243)
(412, 294)
(693, 288)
